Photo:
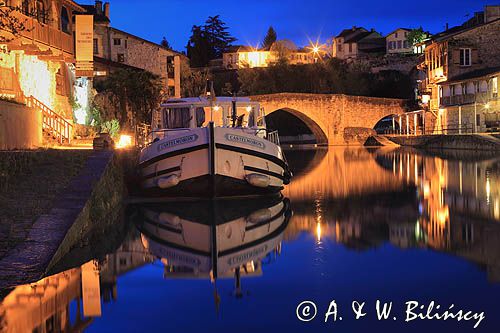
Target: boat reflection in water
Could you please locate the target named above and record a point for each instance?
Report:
(215, 239)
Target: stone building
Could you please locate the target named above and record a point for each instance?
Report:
(470, 103)
(458, 62)
(114, 48)
(37, 71)
(357, 42)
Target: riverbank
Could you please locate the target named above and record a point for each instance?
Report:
(30, 182)
(93, 198)
(477, 142)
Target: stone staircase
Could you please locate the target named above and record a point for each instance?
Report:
(380, 140)
(54, 126)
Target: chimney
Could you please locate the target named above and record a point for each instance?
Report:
(106, 9)
(353, 28)
(446, 26)
(98, 6)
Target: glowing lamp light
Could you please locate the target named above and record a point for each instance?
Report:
(249, 108)
(216, 108)
(487, 106)
(124, 142)
(426, 99)
(315, 49)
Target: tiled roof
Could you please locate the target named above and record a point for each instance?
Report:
(356, 38)
(474, 74)
(347, 32)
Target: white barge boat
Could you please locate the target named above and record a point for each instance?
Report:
(230, 155)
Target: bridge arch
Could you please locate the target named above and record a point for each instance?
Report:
(334, 119)
(315, 128)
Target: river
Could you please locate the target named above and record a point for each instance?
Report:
(355, 225)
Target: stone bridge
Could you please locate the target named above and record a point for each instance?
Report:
(334, 119)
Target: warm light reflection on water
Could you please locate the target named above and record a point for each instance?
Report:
(344, 201)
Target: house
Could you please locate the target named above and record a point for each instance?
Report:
(240, 56)
(397, 41)
(462, 61)
(470, 103)
(114, 48)
(357, 42)
(37, 70)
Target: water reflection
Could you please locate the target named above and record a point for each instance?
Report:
(69, 301)
(363, 198)
(215, 240)
(346, 202)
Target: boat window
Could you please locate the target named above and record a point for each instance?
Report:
(177, 117)
(200, 117)
(251, 119)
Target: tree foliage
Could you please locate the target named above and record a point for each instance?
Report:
(208, 41)
(329, 77)
(270, 38)
(11, 25)
(135, 93)
(193, 82)
(164, 42)
(416, 36)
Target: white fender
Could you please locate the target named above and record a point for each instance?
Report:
(167, 182)
(259, 216)
(258, 180)
(167, 218)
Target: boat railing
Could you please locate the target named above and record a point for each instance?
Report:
(273, 137)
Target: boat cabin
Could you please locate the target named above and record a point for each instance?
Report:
(181, 113)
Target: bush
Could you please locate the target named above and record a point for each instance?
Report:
(112, 127)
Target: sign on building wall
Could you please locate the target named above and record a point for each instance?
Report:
(84, 40)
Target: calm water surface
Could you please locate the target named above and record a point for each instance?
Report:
(355, 224)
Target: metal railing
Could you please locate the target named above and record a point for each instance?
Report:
(273, 137)
(453, 129)
(52, 122)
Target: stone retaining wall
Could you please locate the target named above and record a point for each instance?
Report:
(20, 127)
(472, 141)
(92, 199)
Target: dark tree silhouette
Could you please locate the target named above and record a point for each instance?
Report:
(270, 38)
(208, 42)
(165, 43)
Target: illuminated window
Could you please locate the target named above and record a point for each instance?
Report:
(120, 57)
(465, 57)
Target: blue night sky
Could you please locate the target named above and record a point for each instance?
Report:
(298, 20)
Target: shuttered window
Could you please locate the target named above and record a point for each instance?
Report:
(465, 57)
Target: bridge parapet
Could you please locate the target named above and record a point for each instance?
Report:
(329, 115)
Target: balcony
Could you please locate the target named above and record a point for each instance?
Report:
(467, 99)
(458, 100)
(45, 34)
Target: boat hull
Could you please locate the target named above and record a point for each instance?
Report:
(212, 162)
